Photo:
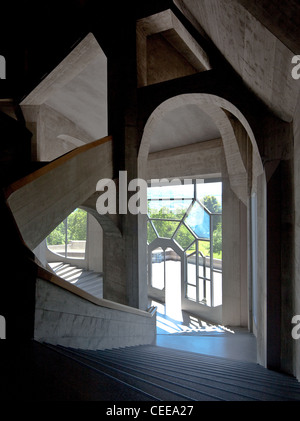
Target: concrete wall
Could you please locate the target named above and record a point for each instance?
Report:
(235, 242)
(296, 292)
(94, 245)
(200, 159)
(50, 125)
(260, 273)
(64, 318)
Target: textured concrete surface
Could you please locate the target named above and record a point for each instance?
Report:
(41, 203)
(64, 318)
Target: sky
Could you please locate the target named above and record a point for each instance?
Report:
(203, 189)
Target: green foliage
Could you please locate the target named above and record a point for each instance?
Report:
(217, 239)
(151, 236)
(204, 248)
(165, 229)
(166, 213)
(212, 204)
(76, 223)
(57, 236)
(183, 236)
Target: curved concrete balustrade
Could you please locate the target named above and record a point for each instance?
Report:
(41, 200)
(69, 316)
(64, 313)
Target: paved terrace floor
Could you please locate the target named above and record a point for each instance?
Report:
(179, 330)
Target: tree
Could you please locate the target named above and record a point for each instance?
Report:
(57, 236)
(212, 204)
(166, 221)
(76, 223)
(217, 239)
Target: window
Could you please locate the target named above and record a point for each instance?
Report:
(69, 238)
(191, 217)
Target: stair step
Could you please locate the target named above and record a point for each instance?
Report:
(175, 382)
(174, 375)
(74, 380)
(89, 281)
(73, 274)
(55, 265)
(158, 388)
(89, 277)
(192, 375)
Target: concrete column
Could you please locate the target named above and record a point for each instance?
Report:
(235, 308)
(94, 244)
(113, 263)
(274, 202)
(114, 284)
(260, 275)
(287, 290)
(123, 126)
(296, 295)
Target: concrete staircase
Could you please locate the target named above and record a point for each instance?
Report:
(153, 373)
(89, 281)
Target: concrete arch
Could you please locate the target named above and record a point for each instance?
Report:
(243, 250)
(213, 106)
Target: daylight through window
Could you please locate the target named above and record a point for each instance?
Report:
(69, 238)
(188, 217)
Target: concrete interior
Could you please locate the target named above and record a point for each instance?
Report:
(185, 89)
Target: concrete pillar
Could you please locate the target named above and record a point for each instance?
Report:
(234, 215)
(296, 293)
(113, 254)
(278, 156)
(260, 276)
(94, 244)
(123, 126)
(114, 284)
(274, 202)
(287, 290)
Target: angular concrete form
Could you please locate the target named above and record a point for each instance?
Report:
(42, 200)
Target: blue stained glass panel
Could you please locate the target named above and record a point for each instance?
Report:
(199, 221)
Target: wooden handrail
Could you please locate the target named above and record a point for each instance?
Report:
(52, 165)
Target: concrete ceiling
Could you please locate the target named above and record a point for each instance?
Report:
(261, 59)
(76, 90)
(257, 55)
(84, 98)
(183, 126)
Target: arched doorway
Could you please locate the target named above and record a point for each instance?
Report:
(243, 179)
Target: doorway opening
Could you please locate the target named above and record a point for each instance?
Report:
(184, 236)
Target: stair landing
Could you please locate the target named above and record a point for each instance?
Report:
(87, 280)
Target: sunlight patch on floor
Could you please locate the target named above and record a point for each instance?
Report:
(177, 321)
